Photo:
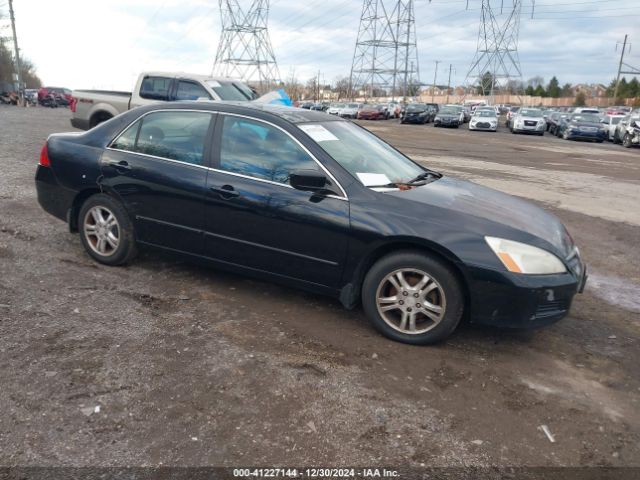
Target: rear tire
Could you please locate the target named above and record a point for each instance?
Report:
(106, 230)
(441, 297)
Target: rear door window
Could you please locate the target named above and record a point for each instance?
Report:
(174, 135)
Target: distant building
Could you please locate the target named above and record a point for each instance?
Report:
(593, 90)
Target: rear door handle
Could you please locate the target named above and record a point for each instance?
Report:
(225, 191)
(121, 165)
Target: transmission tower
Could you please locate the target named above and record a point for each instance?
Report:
(245, 49)
(496, 63)
(386, 54)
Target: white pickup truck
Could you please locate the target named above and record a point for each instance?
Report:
(91, 107)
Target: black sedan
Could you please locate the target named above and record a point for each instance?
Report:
(417, 113)
(312, 201)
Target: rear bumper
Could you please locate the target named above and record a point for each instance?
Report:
(52, 197)
(80, 123)
(509, 300)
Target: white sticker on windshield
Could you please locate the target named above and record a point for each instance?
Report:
(318, 133)
(373, 179)
(213, 83)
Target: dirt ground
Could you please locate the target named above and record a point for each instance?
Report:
(192, 367)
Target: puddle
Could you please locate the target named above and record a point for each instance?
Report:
(615, 291)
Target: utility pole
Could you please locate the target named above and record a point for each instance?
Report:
(15, 46)
(435, 75)
(624, 47)
(449, 82)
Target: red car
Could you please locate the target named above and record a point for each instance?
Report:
(372, 112)
(63, 95)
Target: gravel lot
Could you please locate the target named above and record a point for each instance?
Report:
(194, 367)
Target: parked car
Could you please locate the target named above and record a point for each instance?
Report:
(318, 107)
(466, 111)
(92, 107)
(484, 119)
(62, 95)
(335, 108)
(528, 120)
(512, 111)
(435, 107)
(621, 128)
(306, 105)
(610, 122)
(372, 112)
(449, 116)
(583, 126)
(628, 130)
(351, 110)
(417, 113)
(310, 200)
(554, 120)
(591, 110)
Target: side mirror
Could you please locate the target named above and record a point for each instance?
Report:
(308, 180)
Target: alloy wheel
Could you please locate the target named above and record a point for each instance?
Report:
(102, 230)
(410, 301)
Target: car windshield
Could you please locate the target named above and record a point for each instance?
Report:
(585, 117)
(615, 120)
(352, 105)
(485, 113)
(416, 107)
(231, 91)
(530, 112)
(365, 156)
(449, 111)
(515, 109)
(337, 105)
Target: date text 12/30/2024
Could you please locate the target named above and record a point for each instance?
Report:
(314, 473)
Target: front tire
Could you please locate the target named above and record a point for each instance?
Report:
(412, 297)
(626, 141)
(106, 231)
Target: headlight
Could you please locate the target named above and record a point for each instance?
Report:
(522, 258)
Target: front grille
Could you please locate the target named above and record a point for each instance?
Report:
(530, 123)
(483, 125)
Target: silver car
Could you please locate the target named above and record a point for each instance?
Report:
(528, 120)
(335, 108)
(350, 110)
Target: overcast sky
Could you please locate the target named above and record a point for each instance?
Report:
(106, 43)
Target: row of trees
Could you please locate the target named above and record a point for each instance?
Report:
(8, 70)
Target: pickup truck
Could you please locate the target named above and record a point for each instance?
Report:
(91, 107)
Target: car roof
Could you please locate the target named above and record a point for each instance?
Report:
(258, 110)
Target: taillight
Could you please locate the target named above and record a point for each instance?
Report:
(44, 156)
(72, 104)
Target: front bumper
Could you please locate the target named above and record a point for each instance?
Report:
(414, 119)
(586, 135)
(508, 300)
(446, 122)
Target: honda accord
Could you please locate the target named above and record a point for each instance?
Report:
(312, 201)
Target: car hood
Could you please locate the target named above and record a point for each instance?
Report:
(530, 119)
(481, 208)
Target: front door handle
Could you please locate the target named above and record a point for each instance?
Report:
(121, 165)
(225, 191)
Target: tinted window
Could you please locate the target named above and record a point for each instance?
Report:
(127, 141)
(259, 150)
(155, 88)
(231, 91)
(191, 91)
(174, 135)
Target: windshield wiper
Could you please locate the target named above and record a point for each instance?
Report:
(423, 176)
